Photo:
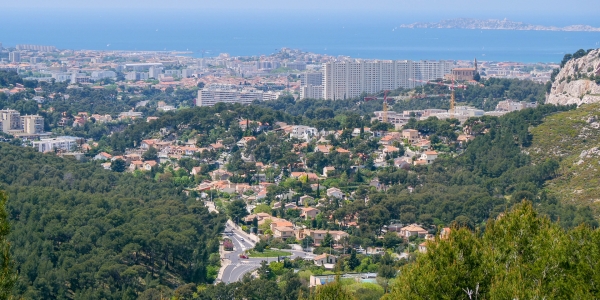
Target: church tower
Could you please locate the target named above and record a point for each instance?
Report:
(475, 64)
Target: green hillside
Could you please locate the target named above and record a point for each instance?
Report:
(573, 138)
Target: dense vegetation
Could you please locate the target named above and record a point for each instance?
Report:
(7, 275)
(521, 255)
(85, 233)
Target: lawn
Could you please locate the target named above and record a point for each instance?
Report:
(268, 253)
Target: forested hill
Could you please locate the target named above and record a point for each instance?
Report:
(82, 232)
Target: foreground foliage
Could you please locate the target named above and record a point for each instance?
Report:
(521, 255)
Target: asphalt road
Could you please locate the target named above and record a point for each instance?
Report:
(239, 266)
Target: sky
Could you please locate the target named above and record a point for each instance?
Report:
(545, 11)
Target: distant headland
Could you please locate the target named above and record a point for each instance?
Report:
(492, 24)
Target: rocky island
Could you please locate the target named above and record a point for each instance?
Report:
(492, 24)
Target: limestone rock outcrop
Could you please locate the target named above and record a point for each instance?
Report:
(576, 81)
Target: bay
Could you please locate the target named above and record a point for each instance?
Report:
(264, 33)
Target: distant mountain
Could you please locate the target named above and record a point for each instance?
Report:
(492, 24)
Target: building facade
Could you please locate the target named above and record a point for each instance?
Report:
(229, 94)
(12, 122)
(32, 124)
(348, 79)
(311, 92)
(64, 143)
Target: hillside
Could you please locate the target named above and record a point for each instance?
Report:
(571, 137)
(81, 232)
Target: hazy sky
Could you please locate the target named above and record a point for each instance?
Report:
(466, 8)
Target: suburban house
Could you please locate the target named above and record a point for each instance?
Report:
(245, 140)
(325, 258)
(411, 135)
(196, 170)
(327, 170)
(283, 232)
(403, 162)
(136, 165)
(387, 149)
(389, 139)
(309, 213)
(342, 150)
(325, 149)
(423, 247)
(303, 132)
(148, 165)
(102, 156)
(305, 199)
(338, 235)
(309, 176)
(335, 192)
(423, 145)
(429, 156)
(216, 146)
(464, 138)
(146, 144)
(283, 223)
(319, 235)
(412, 230)
(277, 205)
(259, 126)
(220, 175)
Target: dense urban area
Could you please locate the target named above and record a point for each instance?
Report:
(294, 175)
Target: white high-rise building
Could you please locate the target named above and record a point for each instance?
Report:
(14, 56)
(311, 78)
(347, 79)
(154, 72)
(311, 92)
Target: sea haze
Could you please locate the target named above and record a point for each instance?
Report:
(266, 32)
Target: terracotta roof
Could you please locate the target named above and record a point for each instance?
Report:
(413, 227)
(283, 228)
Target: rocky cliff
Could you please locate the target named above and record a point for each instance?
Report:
(577, 81)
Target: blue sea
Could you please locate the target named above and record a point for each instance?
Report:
(265, 33)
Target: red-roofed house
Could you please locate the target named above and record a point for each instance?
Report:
(429, 156)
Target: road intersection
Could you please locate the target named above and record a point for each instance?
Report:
(236, 267)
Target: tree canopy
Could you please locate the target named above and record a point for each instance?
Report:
(80, 231)
(520, 255)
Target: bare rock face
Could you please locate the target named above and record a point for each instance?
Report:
(574, 83)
